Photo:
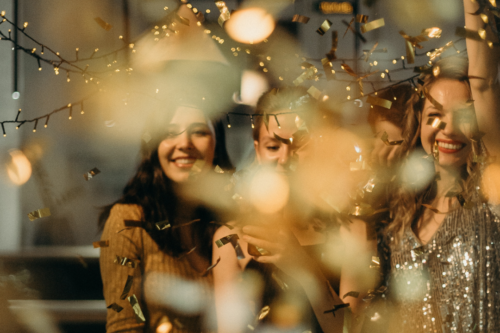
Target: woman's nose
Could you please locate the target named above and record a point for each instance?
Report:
(184, 141)
(284, 155)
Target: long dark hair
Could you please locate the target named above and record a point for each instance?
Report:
(154, 192)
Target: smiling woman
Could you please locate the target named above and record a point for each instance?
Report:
(157, 237)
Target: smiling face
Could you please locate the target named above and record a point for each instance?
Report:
(189, 137)
(453, 142)
(273, 152)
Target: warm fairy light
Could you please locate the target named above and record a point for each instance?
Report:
(33, 50)
(198, 23)
(375, 63)
(349, 98)
(165, 8)
(265, 70)
(387, 71)
(207, 11)
(402, 57)
(19, 167)
(280, 78)
(189, 6)
(382, 75)
(2, 13)
(268, 58)
(250, 25)
(25, 25)
(348, 88)
(261, 64)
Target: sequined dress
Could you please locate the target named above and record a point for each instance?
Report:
(451, 284)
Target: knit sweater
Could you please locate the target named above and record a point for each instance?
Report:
(158, 280)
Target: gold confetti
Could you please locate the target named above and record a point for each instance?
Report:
(211, 267)
(348, 69)
(106, 26)
(218, 169)
(306, 75)
(128, 286)
(91, 174)
(224, 12)
(467, 33)
(361, 18)
(314, 92)
(372, 25)
(300, 18)
(125, 262)
(139, 316)
(197, 168)
(233, 239)
(115, 307)
(374, 100)
(225, 240)
(436, 123)
(256, 251)
(335, 41)
(370, 52)
(434, 32)
(162, 225)
(431, 99)
(264, 312)
(435, 154)
(104, 243)
(325, 26)
(39, 213)
(182, 20)
(361, 210)
(385, 139)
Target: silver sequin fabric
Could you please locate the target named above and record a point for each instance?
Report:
(451, 284)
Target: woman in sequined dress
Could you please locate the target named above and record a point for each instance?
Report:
(444, 259)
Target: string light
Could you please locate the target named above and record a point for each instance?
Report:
(70, 111)
(251, 119)
(77, 49)
(25, 25)
(82, 112)
(47, 122)
(3, 130)
(228, 121)
(36, 123)
(39, 65)
(18, 113)
(67, 77)
(277, 122)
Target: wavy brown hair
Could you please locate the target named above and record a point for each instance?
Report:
(154, 192)
(406, 202)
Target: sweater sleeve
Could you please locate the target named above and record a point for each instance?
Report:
(124, 242)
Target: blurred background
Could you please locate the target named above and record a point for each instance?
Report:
(49, 265)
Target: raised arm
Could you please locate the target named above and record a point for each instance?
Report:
(483, 70)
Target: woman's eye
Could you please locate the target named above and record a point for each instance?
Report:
(201, 132)
(437, 115)
(273, 148)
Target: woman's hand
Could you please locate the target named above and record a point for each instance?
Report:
(285, 250)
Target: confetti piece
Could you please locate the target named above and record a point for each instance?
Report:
(385, 139)
(361, 210)
(104, 243)
(139, 316)
(337, 307)
(335, 41)
(162, 225)
(218, 169)
(431, 99)
(432, 32)
(354, 294)
(374, 100)
(418, 251)
(125, 262)
(182, 20)
(103, 24)
(368, 54)
(300, 18)
(233, 239)
(348, 69)
(375, 262)
(197, 168)
(264, 312)
(211, 267)
(348, 26)
(373, 293)
(361, 18)
(435, 154)
(256, 251)
(128, 286)
(467, 33)
(436, 123)
(39, 213)
(91, 174)
(314, 92)
(115, 307)
(325, 26)
(372, 25)
(82, 261)
(224, 12)
(306, 75)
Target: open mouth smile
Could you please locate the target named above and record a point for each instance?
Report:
(449, 146)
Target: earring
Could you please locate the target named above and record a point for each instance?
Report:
(435, 151)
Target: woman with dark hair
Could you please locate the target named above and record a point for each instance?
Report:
(158, 238)
(444, 262)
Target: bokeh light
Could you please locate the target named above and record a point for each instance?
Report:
(250, 25)
(19, 167)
